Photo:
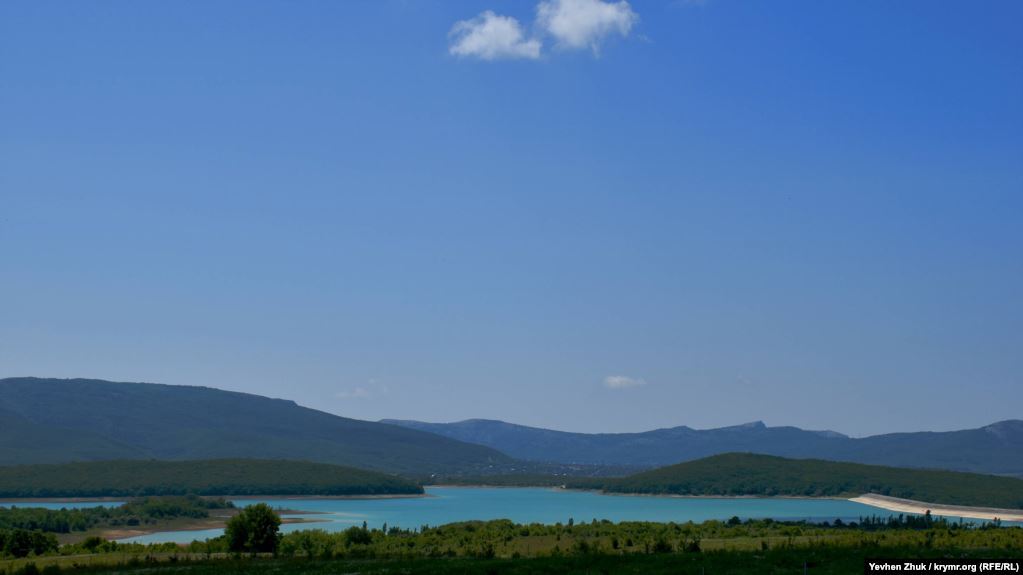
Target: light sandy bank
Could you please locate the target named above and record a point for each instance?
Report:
(322, 497)
(910, 506)
(194, 525)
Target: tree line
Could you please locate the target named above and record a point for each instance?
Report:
(142, 511)
(206, 477)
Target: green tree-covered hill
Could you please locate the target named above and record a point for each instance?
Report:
(206, 477)
(751, 474)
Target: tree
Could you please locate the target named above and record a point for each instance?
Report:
(357, 536)
(256, 530)
(662, 546)
(22, 543)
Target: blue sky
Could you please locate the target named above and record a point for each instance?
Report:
(573, 214)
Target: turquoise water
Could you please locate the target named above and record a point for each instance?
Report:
(532, 505)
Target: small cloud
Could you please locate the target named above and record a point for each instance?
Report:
(585, 23)
(490, 36)
(574, 24)
(357, 393)
(371, 389)
(622, 382)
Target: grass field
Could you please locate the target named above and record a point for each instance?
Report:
(780, 561)
(599, 547)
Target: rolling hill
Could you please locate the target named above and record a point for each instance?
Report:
(995, 449)
(751, 474)
(64, 420)
(128, 478)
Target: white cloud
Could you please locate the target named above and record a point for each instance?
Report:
(371, 389)
(622, 382)
(357, 393)
(585, 23)
(574, 24)
(490, 36)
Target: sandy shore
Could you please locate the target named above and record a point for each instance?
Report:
(199, 525)
(910, 506)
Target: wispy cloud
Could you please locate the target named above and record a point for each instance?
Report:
(356, 393)
(582, 24)
(369, 391)
(572, 24)
(492, 37)
(622, 382)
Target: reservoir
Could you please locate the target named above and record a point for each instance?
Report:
(532, 505)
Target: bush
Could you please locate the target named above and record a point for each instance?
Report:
(357, 536)
(22, 542)
(256, 529)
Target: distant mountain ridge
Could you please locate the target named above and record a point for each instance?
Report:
(994, 449)
(64, 420)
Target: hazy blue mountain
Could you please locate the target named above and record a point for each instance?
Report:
(997, 448)
(62, 420)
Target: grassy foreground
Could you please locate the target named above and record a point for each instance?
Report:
(501, 546)
(823, 561)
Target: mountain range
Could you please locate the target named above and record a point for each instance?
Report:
(64, 420)
(994, 449)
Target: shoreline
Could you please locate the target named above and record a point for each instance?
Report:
(218, 520)
(328, 497)
(938, 509)
(664, 495)
(203, 525)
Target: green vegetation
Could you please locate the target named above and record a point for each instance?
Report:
(749, 474)
(144, 511)
(255, 530)
(501, 546)
(207, 477)
(22, 543)
(31, 530)
(62, 420)
(819, 561)
(733, 474)
(503, 538)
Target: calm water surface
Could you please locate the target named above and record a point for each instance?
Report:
(532, 505)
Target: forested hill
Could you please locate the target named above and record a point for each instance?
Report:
(205, 477)
(996, 448)
(63, 420)
(749, 474)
